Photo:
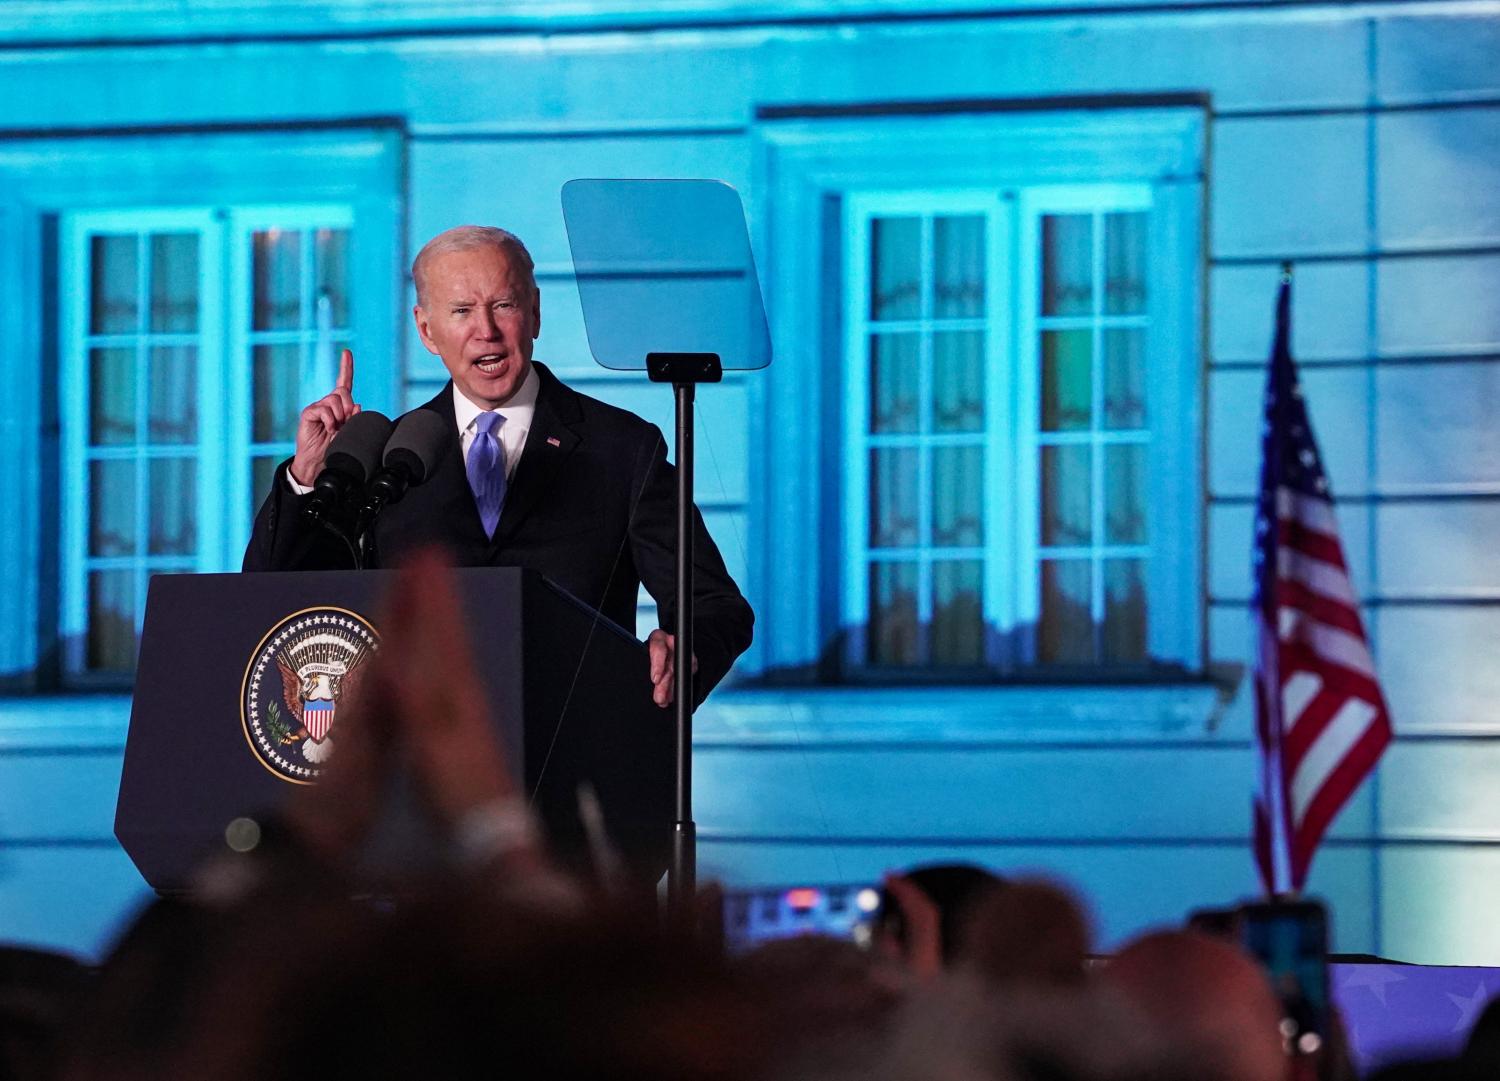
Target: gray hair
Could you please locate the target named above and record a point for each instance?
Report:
(467, 238)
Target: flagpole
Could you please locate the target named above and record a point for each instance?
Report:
(1278, 811)
(1286, 829)
(1286, 882)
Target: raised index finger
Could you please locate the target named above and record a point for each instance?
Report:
(346, 372)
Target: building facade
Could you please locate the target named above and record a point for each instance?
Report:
(992, 500)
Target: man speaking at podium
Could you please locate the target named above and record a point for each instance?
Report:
(532, 474)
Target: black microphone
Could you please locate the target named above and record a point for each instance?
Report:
(410, 457)
(351, 458)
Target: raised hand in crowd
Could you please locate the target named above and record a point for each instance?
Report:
(925, 915)
(423, 709)
(918, 944)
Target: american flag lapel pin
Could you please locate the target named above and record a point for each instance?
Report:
(553, 441)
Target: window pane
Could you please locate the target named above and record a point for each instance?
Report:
(895, 276)
(1124, 610)
(173, 406)
(1066, 496)
(277, 271)
(1067, 379)
(1066, 634)
(1067, 264)
(1124, 379)
(330, 261)
(111, 396)
(957, 612)
(112, 508)
(958, 381)
(174, 282)
(893, 497)
(111, 634)
(958, 252)
(114, 285)
(957, 496)
(173, 496)
(893, 381)
(893, 631)
(1125, 494)
(1125, 263)
(276, 375)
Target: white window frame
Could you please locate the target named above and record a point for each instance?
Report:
(997, 548)
(1012, 438)
(319, 368)
(224, 340)
(75, 342)
(46, 177)
(808, 169)
(1032, 205)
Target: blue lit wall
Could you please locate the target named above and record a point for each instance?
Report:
(1363, 143)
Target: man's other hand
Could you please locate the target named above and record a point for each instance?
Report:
(663, 648)
(321, 421)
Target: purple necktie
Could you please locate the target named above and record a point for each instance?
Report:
(486, 470)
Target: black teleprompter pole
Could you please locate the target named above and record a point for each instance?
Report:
(684, 371)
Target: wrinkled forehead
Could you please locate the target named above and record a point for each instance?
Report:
(488, 270)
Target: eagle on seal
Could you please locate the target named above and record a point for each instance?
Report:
(313, 700)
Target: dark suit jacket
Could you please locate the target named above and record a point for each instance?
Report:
(591, 505)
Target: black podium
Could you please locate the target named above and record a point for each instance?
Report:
(240, 675)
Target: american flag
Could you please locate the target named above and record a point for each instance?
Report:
(1321, 720)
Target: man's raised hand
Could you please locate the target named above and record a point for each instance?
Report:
(321, 421)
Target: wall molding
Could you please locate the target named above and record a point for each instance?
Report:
(1153, 716)
(47, 24)
(63, 723)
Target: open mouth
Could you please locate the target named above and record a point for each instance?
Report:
(490, 363)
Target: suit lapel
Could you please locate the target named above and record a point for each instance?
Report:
(553, 437)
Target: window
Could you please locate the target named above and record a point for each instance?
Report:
(190, 341)
(298, 321)
(998, 440)
(921, 339)
(1012, 429)
(1084, 426)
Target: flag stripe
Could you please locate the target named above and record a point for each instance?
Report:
(1342, 782)
(1335, 741)
(1361, 759)
(1307, 542)
(1308, 728)
(1311, 511)
(1295, 657)
(1323, 578)
(1297, 695)
(1291, 594)
(1329, 643)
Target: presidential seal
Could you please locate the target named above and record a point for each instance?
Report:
(302, 670)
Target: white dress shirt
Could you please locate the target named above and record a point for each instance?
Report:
(518, 413)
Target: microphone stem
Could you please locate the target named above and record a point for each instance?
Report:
(387, 487)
